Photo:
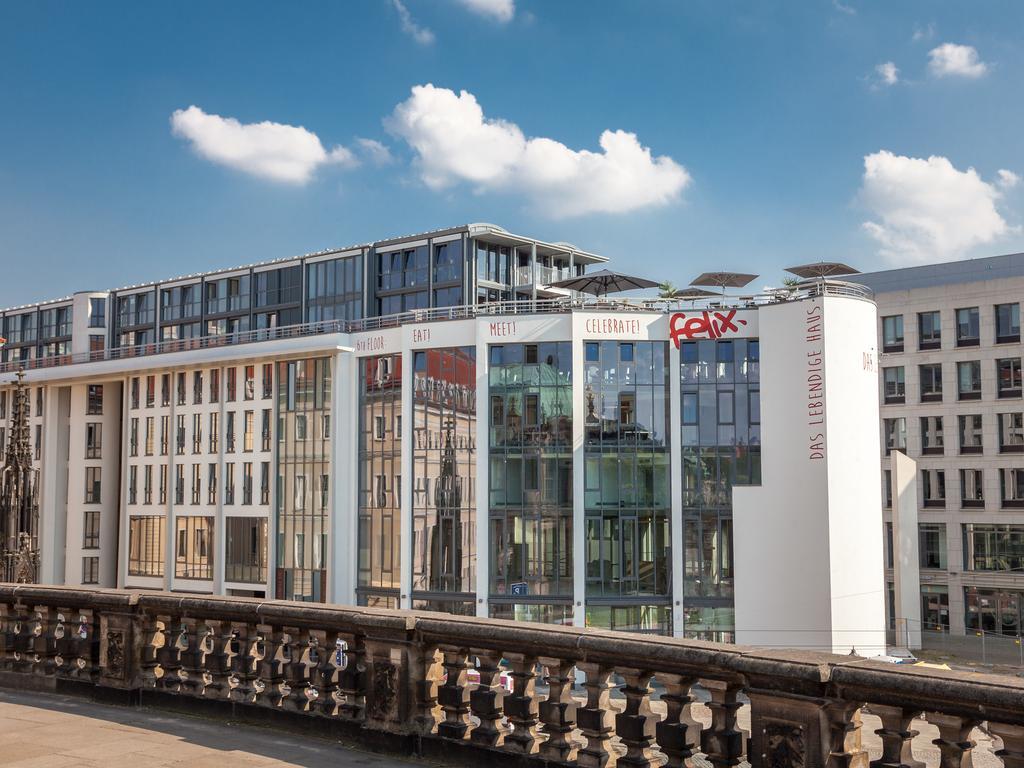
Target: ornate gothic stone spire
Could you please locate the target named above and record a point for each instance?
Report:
(19, 508)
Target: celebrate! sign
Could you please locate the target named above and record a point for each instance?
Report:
(706, 324)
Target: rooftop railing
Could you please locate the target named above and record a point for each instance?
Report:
(462, 689)
(464, 312)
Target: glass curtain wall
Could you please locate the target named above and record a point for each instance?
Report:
(334, 290)
(628, 497)
(303, 475)
(530, 481)
(721, 447)
(444, 480)
(380, 480)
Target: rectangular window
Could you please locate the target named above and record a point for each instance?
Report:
(229, 433)
(150, 391)
(1011, 432)
(245, 550)
(90, 570)
(211, 483)
(214, 432)
(231, 385)
(932, 545)
(229, 483)
(250, 382)
(92, 485)
(165, 434)
(265, 430)
(163, 484)
(968, 378)
(94, 400)
(894, 384)
(247, 483)
(967, 327)
(972, 490)
(197, 433)
(193, 556)
(895, 432)
(93, 440)
(1007, 323)
(1011, 485)
(970, 433)
(892, 333)
(149, 435)
(146, 546)
(1008, 377)
(265, 482)
(268, 380)
(91, 529)
(934, 487)
(215, 385)
(991, 547)
(932, 442)
(97, 313)
(134, 393)
(133, 484)
(929, 327)
(931, 382)
(133, 437)
(179, 436)
(197, 387)
(249, 427)
(147, 484)
(179, 484)
(165, 390)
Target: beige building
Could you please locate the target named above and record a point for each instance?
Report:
(950, 379)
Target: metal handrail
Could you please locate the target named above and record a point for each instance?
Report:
(807, 289)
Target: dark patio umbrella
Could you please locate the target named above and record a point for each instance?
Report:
(822, 269)
(724, 280)
(604, 281)
(692, 294)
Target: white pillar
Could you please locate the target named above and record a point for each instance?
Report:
(405, 526)
(483, 501)
(344, 522)
(906, 560)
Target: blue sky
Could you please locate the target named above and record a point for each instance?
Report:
(758, 118)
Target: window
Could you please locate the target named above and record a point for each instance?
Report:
(134, 393)
(1011, 432)
(970, 433)
(968, 378)
(92, 485)
(182, 395)
(887, 482)
(895, 435)
(268, 380)
(147, 486)
(94, 400)
(93, 440)
(193, 556)
(163, 484)
(197, 387)
(165, 434)
(934, 485)
(229, 433)
(1007, 323)
(993, 547)
(929, 329)
(932, 545)
(91, 529)
(232, 375)
(197, 433)
(894, 384)
(250, 382)
(247, 484)
(179, 484)
(265, 430)
(931, 382)
(165, 389)
(146, 546)
(133, 484)
(229, 483)
(211, 483)
(215, 385)
(214, 432)
(265, 482)
(245, 550)
(196, 484)
(97, 313)
(150, 391)
(931, 435)
(149, 435)
(967, 333)
(179, 436)
(1011, 486)
(247, 433)
(892, 333)
(1008, 377)
(972, 491)
(90, 570)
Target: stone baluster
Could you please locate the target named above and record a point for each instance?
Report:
(678, 735)
(724, 743)
(270, 683)
(324, 676)
(427, 677)
(558, 712)
(242, 664)
(77, 644)
(216, 659)
(596, 719)
(635, 724)
(26, 629)
(169, 654)
(296, 671)
(453, 696)
(152, 639)
(954, 742)
(351, 694)
(521, 705)
(897, 737)
(191, 641)
(486, 701)
(1012, 736)
(7, 621)
(44, 651)
(844, 732)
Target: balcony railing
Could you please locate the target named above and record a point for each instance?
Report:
(469, 311)
(541, 275)
(435, 684)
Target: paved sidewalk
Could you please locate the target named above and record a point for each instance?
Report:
(40, 730)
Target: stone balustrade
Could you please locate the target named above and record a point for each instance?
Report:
(470, 690)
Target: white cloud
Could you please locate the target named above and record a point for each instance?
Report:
(951, 59)
(285, 153)
(454, 142)
(1007, 179)
(923, 33)
(421, 35)
(927, 210)
(848, 10)
(888, 73)
(497, 10)
(374, 151)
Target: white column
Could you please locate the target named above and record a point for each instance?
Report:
(53, 490)
(483, 501)
(579, 538)
(906, 560)
(406, 521)
(344, 522)
(675, 471)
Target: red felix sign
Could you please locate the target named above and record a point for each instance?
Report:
(703, 325)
